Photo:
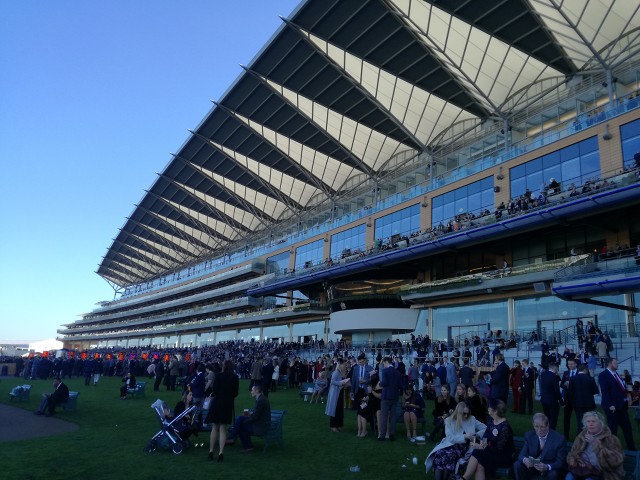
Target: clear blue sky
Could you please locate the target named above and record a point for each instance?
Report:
(93, 97)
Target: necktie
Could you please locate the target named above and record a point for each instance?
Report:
(361, 372)
(542, 440)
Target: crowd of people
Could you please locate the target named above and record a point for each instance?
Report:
(466, 398)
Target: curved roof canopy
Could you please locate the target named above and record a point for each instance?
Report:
(342, 87)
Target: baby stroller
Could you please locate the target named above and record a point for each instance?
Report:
(168, 437)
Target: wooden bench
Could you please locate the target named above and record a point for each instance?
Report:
(306, 390)
(72, 403)
(275, 432)
(21, 392)
(138, 391)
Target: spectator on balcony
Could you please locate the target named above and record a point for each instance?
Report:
(554, 187)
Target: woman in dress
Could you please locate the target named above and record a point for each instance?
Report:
(496, 449)
(413, 410)
(477, 404)
(596, 452)
(444, 407)
(460, 428)
(364, 414)
(335, 399)
(375, 397)
(319, 387)
(225, 390)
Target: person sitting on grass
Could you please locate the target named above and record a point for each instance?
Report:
(413, 407)
(460, 428)
(257, 423)
(51, 400)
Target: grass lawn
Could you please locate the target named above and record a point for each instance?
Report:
(113, 432)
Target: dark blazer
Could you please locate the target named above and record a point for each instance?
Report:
(612, 392)
(466, 375)
(355, 377)
(528, 379)
(391, 382)
(260, 419)
(582, 388)
(60, 394)
(500, 381)
(554, 452)
(563, 382)
(550, 388)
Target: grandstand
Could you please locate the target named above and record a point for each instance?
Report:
(385, 168)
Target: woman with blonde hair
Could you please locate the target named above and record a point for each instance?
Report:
(460, 428)
(596, 452)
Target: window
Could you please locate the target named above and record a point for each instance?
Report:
(403, 222)
(278, 263)
(309, 254)
(348, 242)
(573, 164)
(630, 136)
(472, 199)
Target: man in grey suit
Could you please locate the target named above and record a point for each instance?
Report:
(544, 452)
(452, 374)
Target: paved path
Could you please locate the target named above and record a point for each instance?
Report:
(19, 424)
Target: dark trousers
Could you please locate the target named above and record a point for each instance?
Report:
(87, 378)
(523, 473)
(526, 402)
(551, 411)
(156, 384)
(621, 418)
(242, 430)
(568, 411)
(47, 405)
(579, 414)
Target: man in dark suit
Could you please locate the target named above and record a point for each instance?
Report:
(550, 396)
(547, 447)
(500, 380)
(360, 379)
(51, 400)
(391, 383)
(466, 374)
(527, 387)
(582, 388)
(267, 374)
(257, 423)
(614, 402)
(564, 385)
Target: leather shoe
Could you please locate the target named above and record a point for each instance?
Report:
(230, 442)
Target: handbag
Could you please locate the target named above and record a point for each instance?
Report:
(208, 403)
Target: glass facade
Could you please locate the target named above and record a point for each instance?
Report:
(573, 164)
(473, 198)
(630, 137)
(469, 320)
(278, 263)
(403, 222)
(351, 240)
(309, 254)
(311, 329)
(555, 314)
(276, 332)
